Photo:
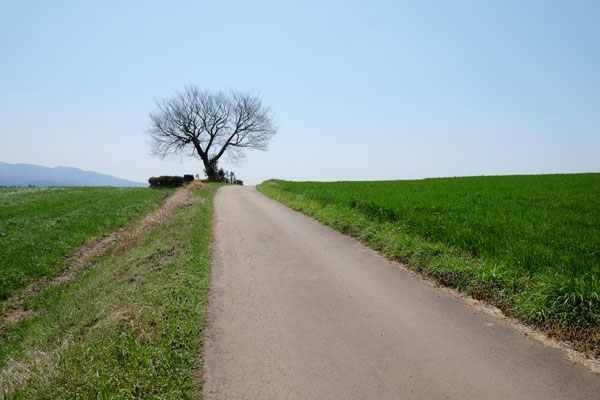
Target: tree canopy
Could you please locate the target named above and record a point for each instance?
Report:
(209, 125)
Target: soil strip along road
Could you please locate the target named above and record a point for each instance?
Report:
(299, 311)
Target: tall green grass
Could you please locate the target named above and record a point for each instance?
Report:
(41, 227)
(530, 242)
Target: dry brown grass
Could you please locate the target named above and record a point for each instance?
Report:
(197, 185)
(37, 364)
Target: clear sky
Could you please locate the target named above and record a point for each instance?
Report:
(360, 89)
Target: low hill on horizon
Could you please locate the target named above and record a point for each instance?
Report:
(37, 175)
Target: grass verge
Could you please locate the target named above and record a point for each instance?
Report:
(129, 327)
(513, 250)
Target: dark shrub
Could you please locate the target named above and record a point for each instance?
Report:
(239, 182)
(221, 175)
(212, 170)
(153, 181)
(165, 181)
(188, 178)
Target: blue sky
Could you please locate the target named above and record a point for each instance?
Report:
(360, 89)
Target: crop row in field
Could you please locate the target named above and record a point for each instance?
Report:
(41, 227)
(530, 242)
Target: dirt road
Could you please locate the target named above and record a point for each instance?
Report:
(298, 311)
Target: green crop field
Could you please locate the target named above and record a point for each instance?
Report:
(41, 227)
(529, 244)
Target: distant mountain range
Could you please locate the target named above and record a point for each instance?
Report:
(36, 175)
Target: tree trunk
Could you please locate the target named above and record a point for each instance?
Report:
(210, 169)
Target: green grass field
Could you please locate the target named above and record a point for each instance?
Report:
(529, 244)
(41, 227)
(128, 326)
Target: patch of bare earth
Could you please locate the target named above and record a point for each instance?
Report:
(181, 198)
(126, 236)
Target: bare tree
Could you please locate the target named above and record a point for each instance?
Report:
(208, 125)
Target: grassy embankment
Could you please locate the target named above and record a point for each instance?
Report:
(527, 244)
(129, 325)
(41, 227)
